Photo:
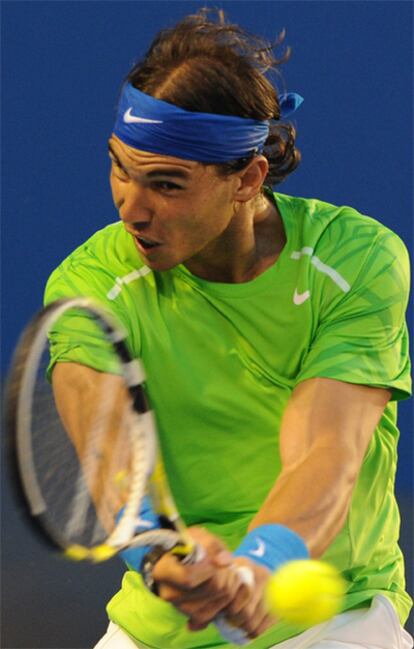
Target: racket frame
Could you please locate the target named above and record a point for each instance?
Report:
(19, 401)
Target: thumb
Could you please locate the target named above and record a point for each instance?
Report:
(214, 548)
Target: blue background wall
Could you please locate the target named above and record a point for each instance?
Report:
(63, 63)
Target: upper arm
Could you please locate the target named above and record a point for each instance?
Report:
(327, 414)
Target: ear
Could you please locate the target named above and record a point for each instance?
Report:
(251, 179)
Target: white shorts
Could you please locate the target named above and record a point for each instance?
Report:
(375, 628)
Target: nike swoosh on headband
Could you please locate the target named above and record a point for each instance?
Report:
(132, 119)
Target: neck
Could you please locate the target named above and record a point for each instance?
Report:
(251, 244)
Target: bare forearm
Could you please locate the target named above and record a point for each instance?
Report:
(312, 498)
(92, 408)
(325, 432)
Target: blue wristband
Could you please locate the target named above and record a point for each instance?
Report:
(147, 520)
(272, 545)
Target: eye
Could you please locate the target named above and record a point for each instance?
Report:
(166, 186)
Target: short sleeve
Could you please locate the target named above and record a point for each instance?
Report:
(76, 337)
(362, 336)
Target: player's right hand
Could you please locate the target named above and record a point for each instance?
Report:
(202, 590)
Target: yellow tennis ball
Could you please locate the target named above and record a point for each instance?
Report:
(305, 592)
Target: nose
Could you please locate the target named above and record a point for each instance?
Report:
(135, 205)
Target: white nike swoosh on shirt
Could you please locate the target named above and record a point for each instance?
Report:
(300, 298)
(132, 119)
(261, 547)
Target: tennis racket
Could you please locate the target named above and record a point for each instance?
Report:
(83, 480)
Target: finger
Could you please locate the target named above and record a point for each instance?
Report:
(222, 586)
(255, 621)
(226, 581)
(259, 622)
(200, 614)
(240, 599)
(267, 622)
(170, 571)
(171, 594)
(176, 593)
(197, 626)
(213, 546)
(245, 614)
(203, 611)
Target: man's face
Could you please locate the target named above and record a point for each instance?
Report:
(175, 209)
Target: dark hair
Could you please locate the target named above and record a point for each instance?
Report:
(211, 66)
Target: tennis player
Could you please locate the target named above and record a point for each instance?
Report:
(272, 331)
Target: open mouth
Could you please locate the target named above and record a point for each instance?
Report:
(147, 243)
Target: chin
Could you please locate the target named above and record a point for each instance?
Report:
(160, 265)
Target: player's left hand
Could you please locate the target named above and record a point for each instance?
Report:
(246, 610)
(250, 613)
(212, 586)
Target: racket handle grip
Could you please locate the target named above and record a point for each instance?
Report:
(227, 630)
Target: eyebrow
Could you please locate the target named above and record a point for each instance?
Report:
(170, 173)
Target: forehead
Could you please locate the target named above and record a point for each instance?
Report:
(145, 161)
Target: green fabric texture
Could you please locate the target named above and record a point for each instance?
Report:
(222, 361)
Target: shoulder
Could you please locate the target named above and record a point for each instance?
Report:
(340, 241)
(111, 247)
(94, 266)
(317, 222)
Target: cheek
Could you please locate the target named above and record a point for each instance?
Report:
(210, 214)
(201, 227)
(215, 213)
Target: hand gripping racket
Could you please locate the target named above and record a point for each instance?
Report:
(83, 478)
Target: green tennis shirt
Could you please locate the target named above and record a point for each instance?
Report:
(222, 361)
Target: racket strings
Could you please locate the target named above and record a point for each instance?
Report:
(62, 476)
(140, 468)
(80, 462)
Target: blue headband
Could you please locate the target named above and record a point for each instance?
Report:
(150, 124)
